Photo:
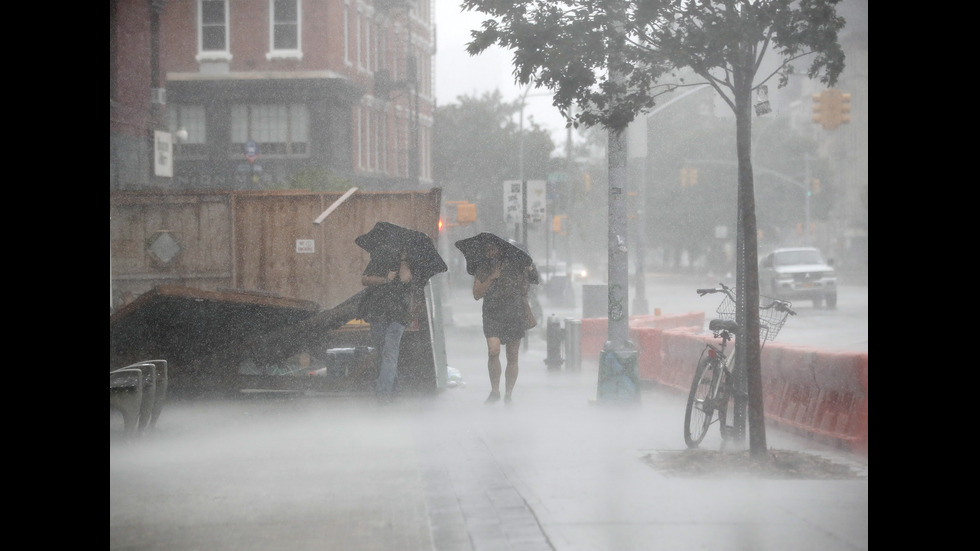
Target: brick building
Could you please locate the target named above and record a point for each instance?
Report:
(269, 94)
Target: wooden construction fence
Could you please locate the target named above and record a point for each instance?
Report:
(259, 241)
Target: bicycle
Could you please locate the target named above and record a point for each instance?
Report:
(713, 389)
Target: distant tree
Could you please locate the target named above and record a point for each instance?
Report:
(613, 58)
(476, 147)
(684, 214)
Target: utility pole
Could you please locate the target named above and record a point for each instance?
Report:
(638, 159)
(520, 160)
(808, 190)
(618, 375)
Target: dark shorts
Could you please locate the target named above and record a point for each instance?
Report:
(508, 326)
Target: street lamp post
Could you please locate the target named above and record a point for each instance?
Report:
(807, 191)
(520, 160)
(638, 151)
(618, 374)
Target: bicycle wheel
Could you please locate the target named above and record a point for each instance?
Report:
(700, 402)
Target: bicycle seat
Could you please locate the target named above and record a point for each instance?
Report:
(727, 325)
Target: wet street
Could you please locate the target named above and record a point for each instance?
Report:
(551, 471)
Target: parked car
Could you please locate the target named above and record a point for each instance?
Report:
(578, 272)
(798, 273)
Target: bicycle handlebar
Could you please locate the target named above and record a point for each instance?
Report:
(779, 305)
(783, 307)
(722, 289)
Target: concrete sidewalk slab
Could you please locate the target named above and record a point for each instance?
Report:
(551, 471)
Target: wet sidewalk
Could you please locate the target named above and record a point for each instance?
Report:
(553, 470)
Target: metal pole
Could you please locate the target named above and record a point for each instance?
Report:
(524, 215)
(807, 190)
(521, 173)
(618, 376)
(638, 160)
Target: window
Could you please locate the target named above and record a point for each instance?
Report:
(279, 130)
(357, 36)
(346, 32)
(285, 29)
(798, 257)
(213, 29)
(190, 119)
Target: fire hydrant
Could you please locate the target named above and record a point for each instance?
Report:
(555, 337)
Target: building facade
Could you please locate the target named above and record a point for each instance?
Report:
(283, 94)
(134, 77)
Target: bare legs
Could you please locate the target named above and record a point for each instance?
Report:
(494, 367)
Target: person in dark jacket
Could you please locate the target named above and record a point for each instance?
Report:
(388, 308)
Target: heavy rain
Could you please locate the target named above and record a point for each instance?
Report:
(252, 147)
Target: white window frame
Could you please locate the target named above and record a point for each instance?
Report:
(368, 27)
(357, 36)
(347, 33)
(360, 137)
(212, 55)
(191, 118)
(258, 118)
(292, 53)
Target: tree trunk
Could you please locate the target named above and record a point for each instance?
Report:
(747, 280)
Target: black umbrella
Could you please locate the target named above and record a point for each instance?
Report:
(388, 238)
(474, 249)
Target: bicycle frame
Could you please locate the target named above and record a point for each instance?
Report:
(726, 394)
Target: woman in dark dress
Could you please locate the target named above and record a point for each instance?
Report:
(503, 286)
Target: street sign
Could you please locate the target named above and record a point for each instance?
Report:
(513, 202)
(305, 246)
(536, 190)
(163, 157)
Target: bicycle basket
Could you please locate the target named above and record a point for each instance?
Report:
(771, 320)
(726, 310)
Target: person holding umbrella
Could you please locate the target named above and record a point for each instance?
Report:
(502, 274)
(402, 261)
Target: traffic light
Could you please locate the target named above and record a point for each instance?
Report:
(440, 224)
(556, 223)
(466, 213)
(689, 177)
(831, 108)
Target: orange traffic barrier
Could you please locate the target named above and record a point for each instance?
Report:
(595, 331)
(821, 394)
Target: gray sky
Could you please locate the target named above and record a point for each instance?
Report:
(457, 73)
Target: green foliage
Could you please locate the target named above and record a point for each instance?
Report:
(612, 59)
(477, 146)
